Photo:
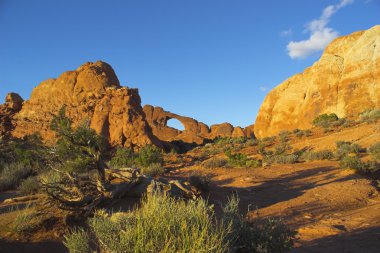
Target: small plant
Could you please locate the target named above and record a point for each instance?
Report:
(270, 235)
(325, 120)
(161, 224)
(370, 115)
(252, 142)
(30, 185)
(215, 162)
(374, 150)
(148, 155)
(351, 162)
(269, 139)
(317, 155)
(237, 159)
(153, 170)
(124, 157)
(200, 182)
(26, 221)
(345, 147)
(12, 174)
(284, 136)
(282, 148)
(77, 241)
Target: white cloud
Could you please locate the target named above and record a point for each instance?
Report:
(320, 34)
(262, 88)
(286, 33)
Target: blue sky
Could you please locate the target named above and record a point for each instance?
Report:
(212, 60)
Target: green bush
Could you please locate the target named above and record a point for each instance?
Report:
(162, 224)
(252, 142)
(269, 139)
(317, 155)
(282, 148)
(351, 162)
(280, 159)
(370, 115)
(153, 170)
(26, 221)
(269, 236)
(345, 147)
(124, 157)
(237, 159)
(200, 182)
(374, 150)
(325, 120)
(215, 162)
(148, 155)
(284, 136)
(12, 174)
(77, 241)
(30, 185)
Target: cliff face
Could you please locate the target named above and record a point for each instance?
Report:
(345, 81)
(92, 92)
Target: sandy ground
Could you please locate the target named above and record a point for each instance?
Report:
(333, 210)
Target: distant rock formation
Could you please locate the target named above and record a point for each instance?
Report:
(157, 118)
(92, 92)
(345, 81)
(194, 132)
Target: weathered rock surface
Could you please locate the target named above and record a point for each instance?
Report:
(92, 92)
(157, 118)
(345, 81)
(194, 132)
(12, 105)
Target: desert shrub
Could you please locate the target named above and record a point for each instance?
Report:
(253, 163)
(371, 169)
(148, 155)
(338, 123)
(286, 159)
(345, 147)
(325, 120)
(252, 142)
(261, 148)
(162, 224)
(317, 155)
(30, 185)
(270, 235)
(370, 115)
(374, 150)
(237, 159)
(26, 221)
(215, 162)
(284, 136)
(230, 140)
(200, 182)
(351, 162)
(269, 139)
(12, 174)
(153, 170)
(280, 159)
(77, 241)
(282, 148)
(124, 157)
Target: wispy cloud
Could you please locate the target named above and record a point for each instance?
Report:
(287, 33)
(262, 88)
(320, 34)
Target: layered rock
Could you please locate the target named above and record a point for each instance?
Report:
(12, 105)
(157, 118)
(345, 81)
(90, 93)
(194, 132)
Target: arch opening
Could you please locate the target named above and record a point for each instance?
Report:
(176, 124)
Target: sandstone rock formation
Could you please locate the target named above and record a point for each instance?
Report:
(194, 132)
(92, 92)
(12, 105)
(157, 118)
(345, 81)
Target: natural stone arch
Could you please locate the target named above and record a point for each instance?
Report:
(175, 123)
